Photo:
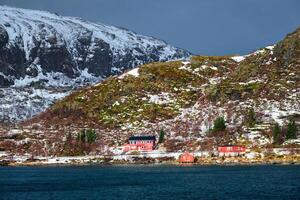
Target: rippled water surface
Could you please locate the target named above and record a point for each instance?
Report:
(150, 182)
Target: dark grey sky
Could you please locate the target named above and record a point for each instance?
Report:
(210, 27)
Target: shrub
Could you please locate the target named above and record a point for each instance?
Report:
(276, 134)
(135, 153)
(251, 118)
(219, 124)
(161, 136)
(291, 130)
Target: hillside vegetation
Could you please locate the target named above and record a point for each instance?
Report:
(158, 93)
(184, 98)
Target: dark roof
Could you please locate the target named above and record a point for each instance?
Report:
(142, 138)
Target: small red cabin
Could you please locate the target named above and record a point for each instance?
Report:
(231, 150)
(186, 157)
(140, 143)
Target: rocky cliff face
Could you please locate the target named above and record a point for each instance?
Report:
(42, 50)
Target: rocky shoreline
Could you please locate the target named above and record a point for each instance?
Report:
(109, 161)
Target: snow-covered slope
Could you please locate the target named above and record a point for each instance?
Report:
(42, 49)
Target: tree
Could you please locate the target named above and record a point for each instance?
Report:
(161, 136)
(81, 136)
(251, 118)
(219, 124)
(87, 136)
(91, 135)
(291, 130)
(276, 134)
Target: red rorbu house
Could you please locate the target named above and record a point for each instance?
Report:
(231, 150)
(140, 143)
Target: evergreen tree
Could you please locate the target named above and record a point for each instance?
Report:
(87, 136)
(91, 135)
(161, 136)
(219, 124)
(81, 136)
(291, 130)
(276, 134)
(251, 118)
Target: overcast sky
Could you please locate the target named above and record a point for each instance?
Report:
(207, 27)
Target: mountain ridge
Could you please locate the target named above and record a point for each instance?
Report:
(44, 51)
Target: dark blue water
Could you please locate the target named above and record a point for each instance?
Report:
(150, 182)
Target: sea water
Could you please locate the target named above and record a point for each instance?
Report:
(150, 182)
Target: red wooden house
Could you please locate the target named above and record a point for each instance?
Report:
(186, 157)
(140, 143)
(231, 150)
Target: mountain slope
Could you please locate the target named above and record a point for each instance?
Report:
(45, 50)
(265, 74)
(184, 98)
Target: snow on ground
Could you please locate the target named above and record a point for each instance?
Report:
(250, 82)
(241, 58)
(204, 67)
(134, 72)
(163, 98)
(279, 115)
(185, 65)
(87, 159)
(21, 103)
(66, 160)
(214, 81)
(238, 58)
(214, 68)
(292, 141)
(157, 154)
(197, 71)
(257, 138)
(3, 153)
(270, 47)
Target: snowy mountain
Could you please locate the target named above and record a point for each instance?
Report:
(42, 50)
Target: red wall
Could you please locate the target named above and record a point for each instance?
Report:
(186, 158)
(139, 145)
(229, 149)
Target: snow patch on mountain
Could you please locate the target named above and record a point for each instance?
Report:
(238, 58)
(27, 101)
(133, 72)
(57, 79)
(241, 58)
(163, 98)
